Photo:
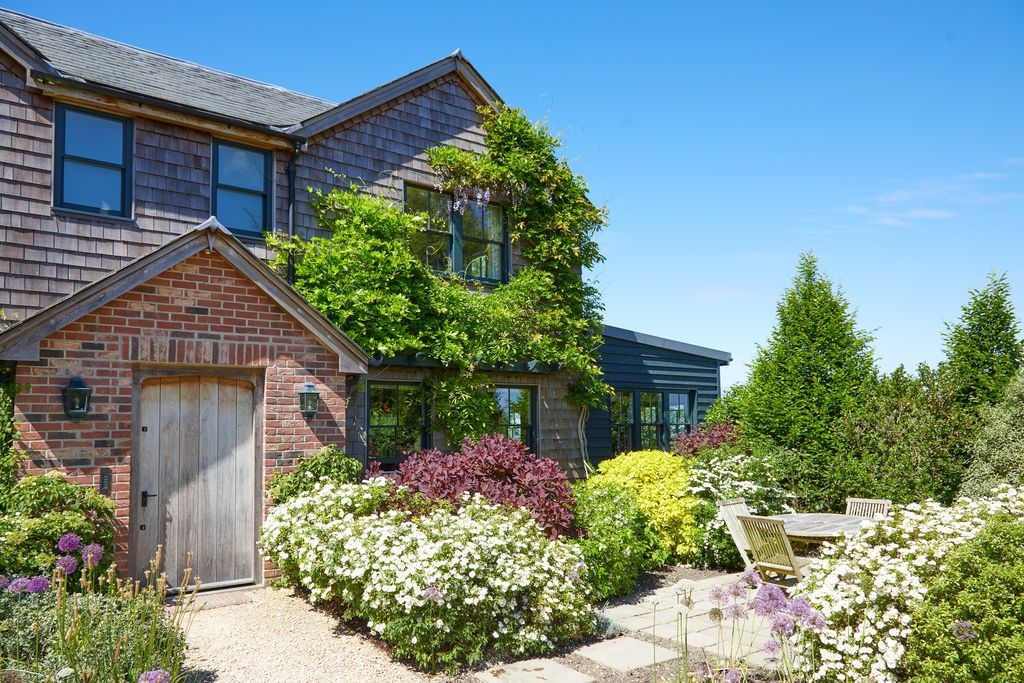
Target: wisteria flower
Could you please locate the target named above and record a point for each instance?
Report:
(92, 554)
(69, 543)
(965, 631)
(155, 676)
(18, 585)
(38, 584)
(67, 565)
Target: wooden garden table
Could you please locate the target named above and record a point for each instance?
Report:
(818, 527)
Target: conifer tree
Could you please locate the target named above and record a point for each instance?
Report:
(984, 351)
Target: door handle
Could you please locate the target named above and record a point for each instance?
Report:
(146, 495)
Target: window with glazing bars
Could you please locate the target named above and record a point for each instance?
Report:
(397, 421)
(515, 416)
(472, 243)
(92, 162)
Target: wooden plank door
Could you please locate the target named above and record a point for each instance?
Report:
(195, 479)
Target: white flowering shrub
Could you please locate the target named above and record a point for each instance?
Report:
(443, 587)
(724, 473)
(867, 586)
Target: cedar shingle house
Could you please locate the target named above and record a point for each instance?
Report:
(117, 282)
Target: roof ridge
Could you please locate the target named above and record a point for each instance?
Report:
(281, 88)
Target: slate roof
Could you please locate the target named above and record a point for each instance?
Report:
(101, 61)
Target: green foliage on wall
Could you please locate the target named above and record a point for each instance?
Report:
(365, 278)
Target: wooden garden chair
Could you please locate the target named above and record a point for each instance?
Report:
(868, 508)
(729, 511)
(773, 554)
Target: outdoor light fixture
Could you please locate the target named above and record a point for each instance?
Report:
(76, 399)
(309, 401)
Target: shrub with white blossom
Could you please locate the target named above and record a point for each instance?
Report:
(868, 585)
(443, 587)
(724, 473)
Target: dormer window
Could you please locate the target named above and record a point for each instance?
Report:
(92, 162)
(241, 187)
(473, 243)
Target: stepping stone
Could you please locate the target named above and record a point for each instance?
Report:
(626, 654)
(532, 671)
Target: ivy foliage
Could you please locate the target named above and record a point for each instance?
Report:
(366, 279)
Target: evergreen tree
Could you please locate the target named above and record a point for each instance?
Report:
(815, 365)
(984, 351)
(998, 447)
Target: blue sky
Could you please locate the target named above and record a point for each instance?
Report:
(725, 138)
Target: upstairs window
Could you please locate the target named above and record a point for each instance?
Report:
(92, 162)
(472, 243)
(241, 187)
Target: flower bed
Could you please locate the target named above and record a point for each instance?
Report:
(869, 585)
(444, 586)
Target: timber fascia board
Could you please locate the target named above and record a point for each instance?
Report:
(455, 63)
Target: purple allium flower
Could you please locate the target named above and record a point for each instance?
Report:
(704, 672)
(751, 578)
(38, 584)
(718, 596)
(733, 676)
(4, 582)
(736, 590)
(735, 611)
(783, 624)
(432, 593)
(815, 622)
(67, 565)
(964, 631)
(769, 600)
(92, 554)
(772, 647)
(155, 676)
(69, 543)
(19, 585)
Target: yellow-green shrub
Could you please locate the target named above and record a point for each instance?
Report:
(658, 480)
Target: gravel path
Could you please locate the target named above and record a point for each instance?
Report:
(271, 635)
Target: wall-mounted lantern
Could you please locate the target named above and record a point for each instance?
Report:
(309, 401)
(76, 399)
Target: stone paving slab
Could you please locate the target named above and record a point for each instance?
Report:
(626, 654)
(532, 671)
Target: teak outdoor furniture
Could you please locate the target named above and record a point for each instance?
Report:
(729, 511)
(868, 508)
(817, 527)
(773, 555)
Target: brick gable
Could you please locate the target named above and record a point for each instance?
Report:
(201, 315)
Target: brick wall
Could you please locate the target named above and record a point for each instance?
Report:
(200, 314)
